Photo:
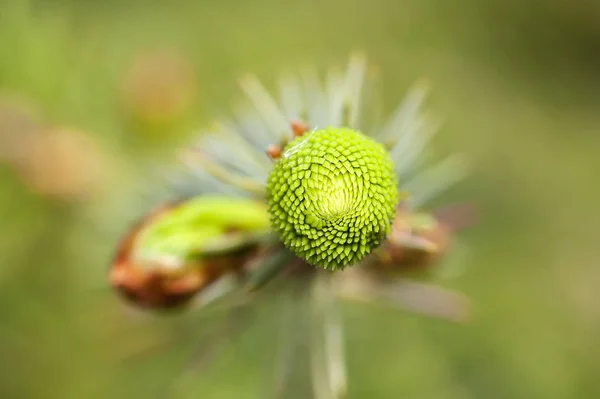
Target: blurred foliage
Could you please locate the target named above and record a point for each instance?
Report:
(516, 82)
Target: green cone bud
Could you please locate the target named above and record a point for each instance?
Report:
(332, 196)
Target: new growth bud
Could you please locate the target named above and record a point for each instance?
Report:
(332, 196)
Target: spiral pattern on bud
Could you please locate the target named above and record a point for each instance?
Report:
(332, 196)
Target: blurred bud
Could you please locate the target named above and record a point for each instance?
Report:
(159, 88)
(182, 248)
(417, 239)
(158, 285)
(63, 163)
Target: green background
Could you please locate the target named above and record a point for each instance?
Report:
(517, 84)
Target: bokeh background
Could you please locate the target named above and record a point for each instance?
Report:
(518, 86)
